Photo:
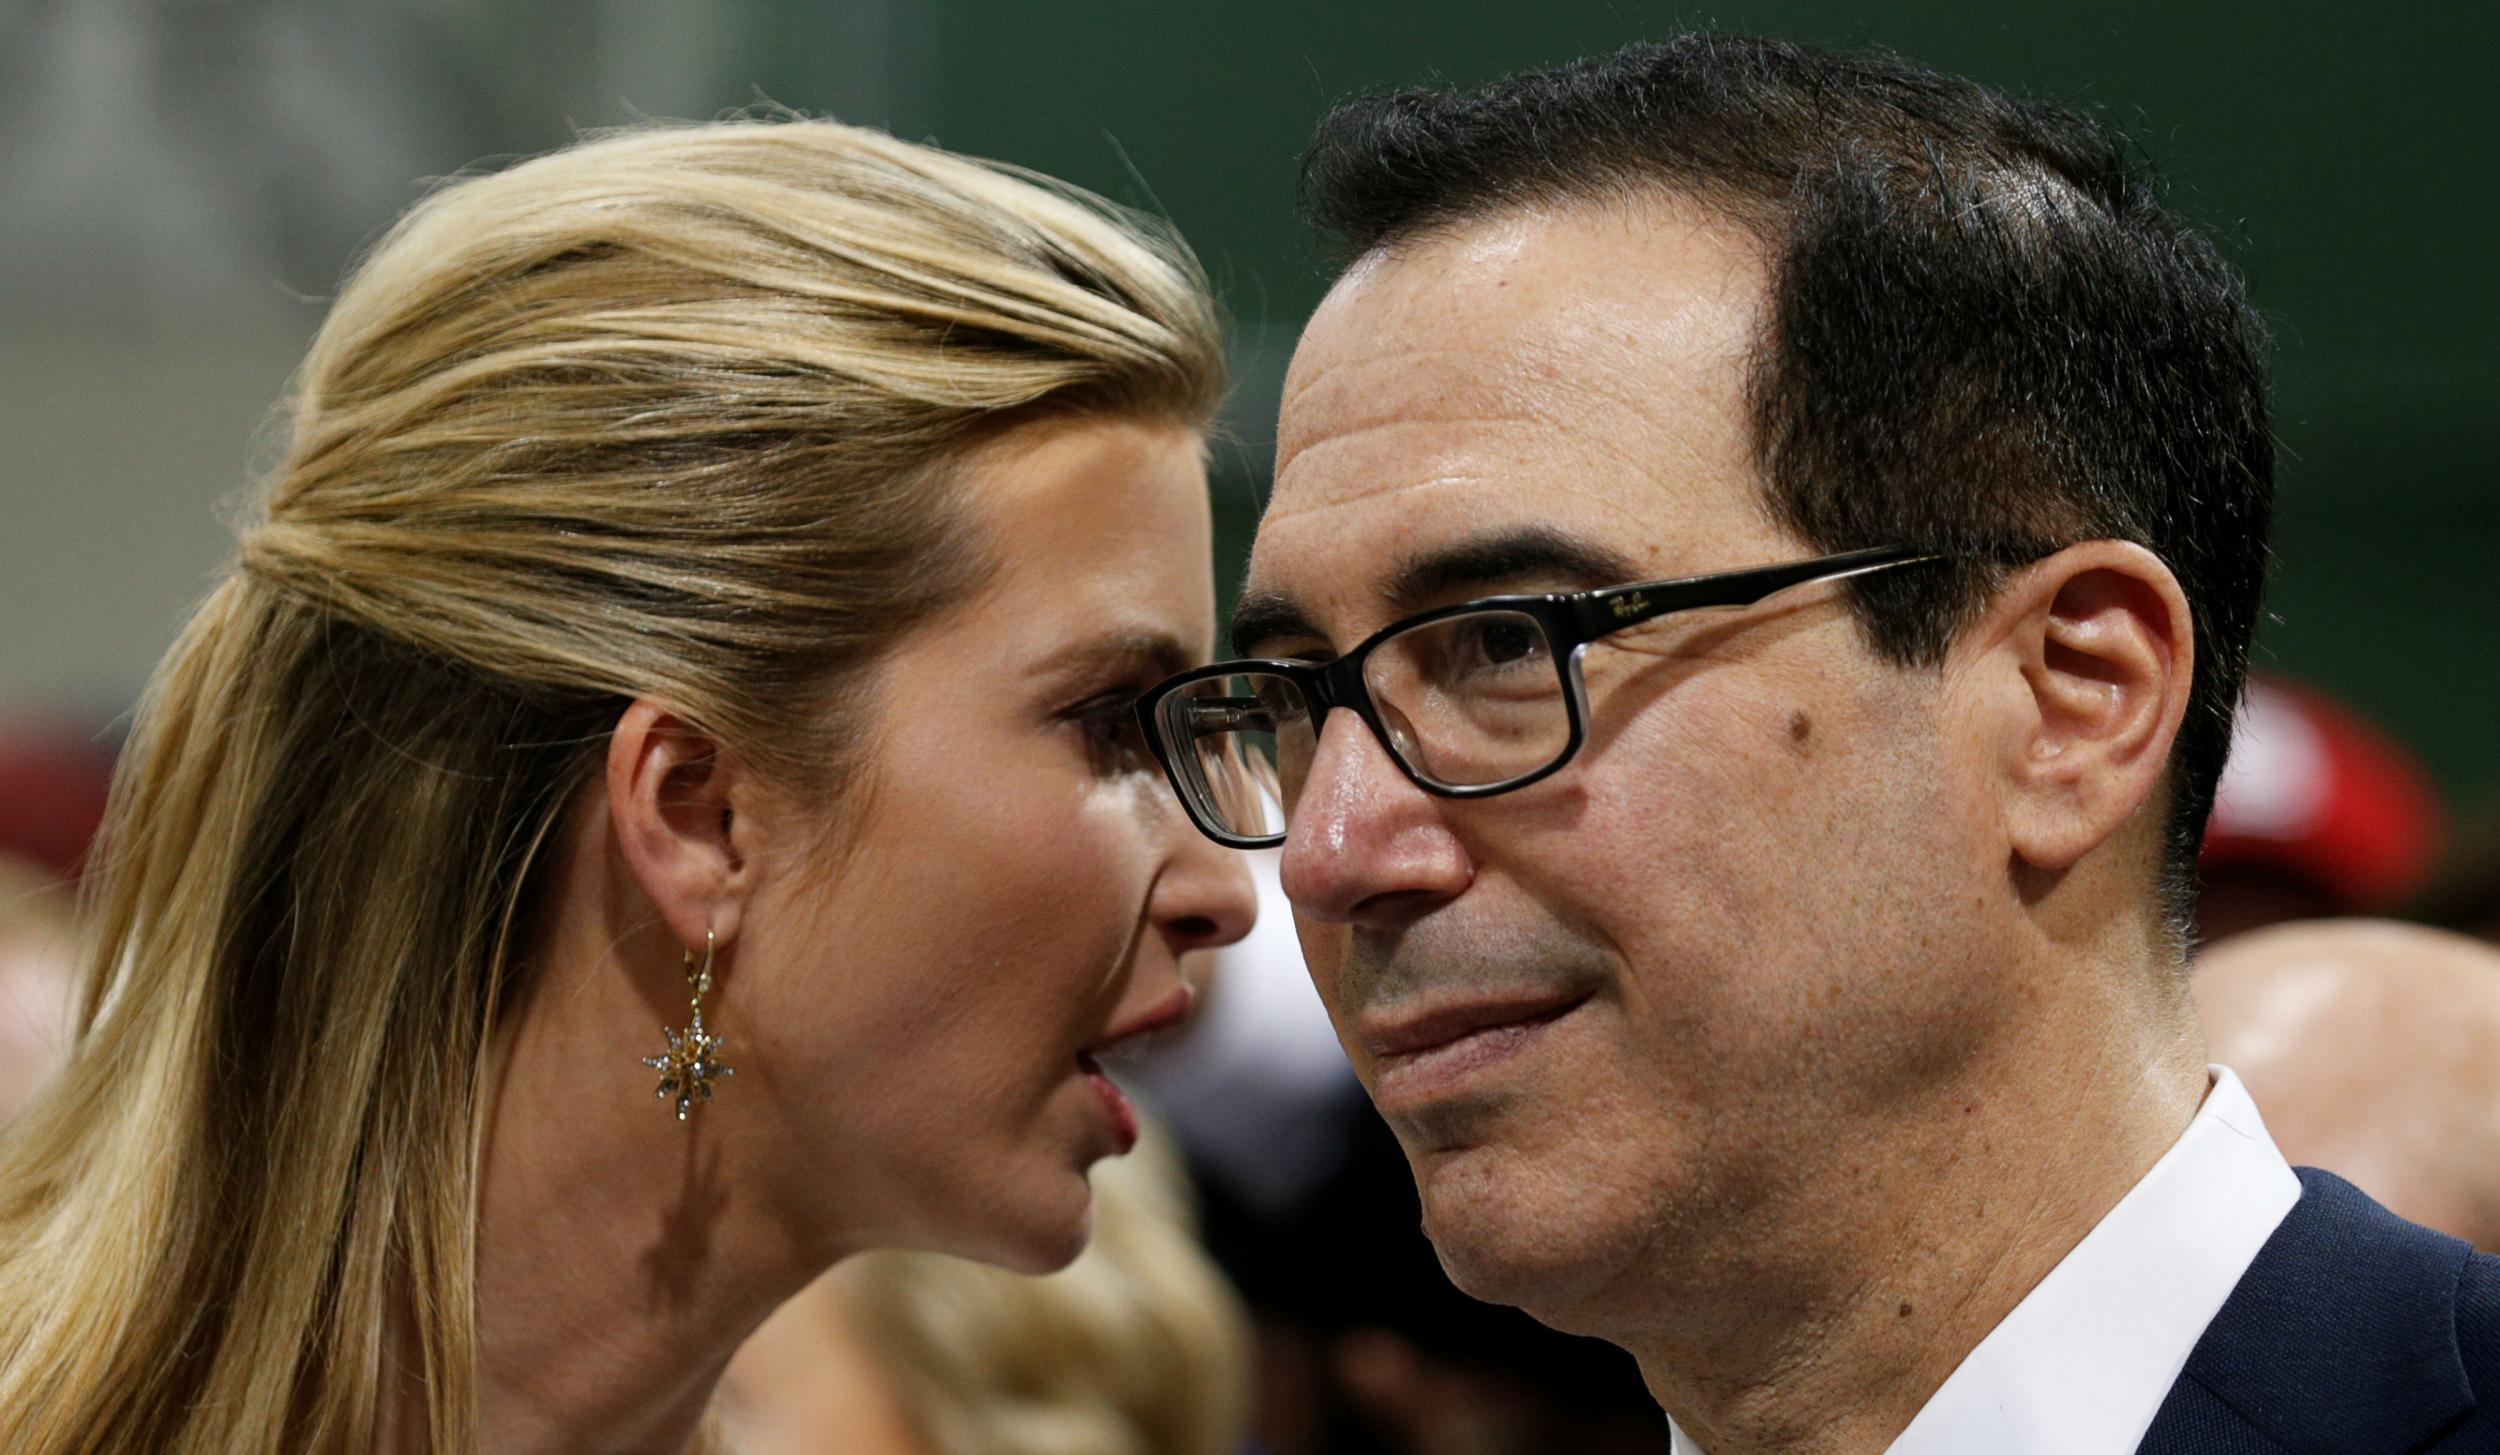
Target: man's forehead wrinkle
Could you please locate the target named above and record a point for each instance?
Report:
(1431, 460)
(1647, 362)
(1421, 417)
(1371, 347)
(1662, 409)
(1392, 351)
(1345, 397)
(1560, 362)
(1606, 430)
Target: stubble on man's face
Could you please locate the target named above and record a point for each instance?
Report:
(1726, 889)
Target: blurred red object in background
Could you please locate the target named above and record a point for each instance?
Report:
(54, 773)
(2324, 810)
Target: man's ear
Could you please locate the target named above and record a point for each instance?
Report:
(673, 795)
(2096, 653)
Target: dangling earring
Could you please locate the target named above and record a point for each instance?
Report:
(687, 1070)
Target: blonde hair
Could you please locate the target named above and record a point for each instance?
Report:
(1140, 1347)
(665, 414)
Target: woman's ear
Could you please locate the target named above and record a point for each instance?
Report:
(673, 794)
(2096, 647)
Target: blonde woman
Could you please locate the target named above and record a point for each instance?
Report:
(686, 647)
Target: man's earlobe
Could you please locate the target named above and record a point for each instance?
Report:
(671, 792)
(2102, 641)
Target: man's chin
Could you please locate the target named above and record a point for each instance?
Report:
(1553, 1259)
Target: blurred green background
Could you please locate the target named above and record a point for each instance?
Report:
(186, 179)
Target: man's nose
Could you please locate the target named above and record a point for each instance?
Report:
(1364, 845)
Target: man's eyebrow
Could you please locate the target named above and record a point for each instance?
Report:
(1430, 577)
(1261, 617)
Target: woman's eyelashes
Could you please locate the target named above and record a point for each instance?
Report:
(1114, 740)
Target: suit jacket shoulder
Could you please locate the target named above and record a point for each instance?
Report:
(2354, 1333)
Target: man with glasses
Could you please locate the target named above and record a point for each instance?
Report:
(1737, 661)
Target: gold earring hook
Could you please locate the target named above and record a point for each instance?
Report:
(701, 978)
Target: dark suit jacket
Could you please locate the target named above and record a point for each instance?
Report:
(2354, 1333)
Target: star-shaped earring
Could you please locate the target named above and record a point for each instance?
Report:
(690, 1065)
(692, 1061)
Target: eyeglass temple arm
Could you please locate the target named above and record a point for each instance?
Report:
(1617, 607)
(1209, 715)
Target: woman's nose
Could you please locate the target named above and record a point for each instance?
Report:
(1205, 899)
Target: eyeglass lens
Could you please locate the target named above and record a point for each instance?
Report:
(1464, 701)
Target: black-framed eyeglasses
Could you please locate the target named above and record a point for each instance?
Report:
(1470, 700)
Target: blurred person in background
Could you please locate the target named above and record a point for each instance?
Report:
(2373, 1047)
(1368, 1347)
(2464, 894)
(692, 631)
(54, 779)
(1138, 1348)
(2320, 812)
(1737, 660)
(55, 775)
(38, 975)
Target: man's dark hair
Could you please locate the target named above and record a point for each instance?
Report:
(1984, 334)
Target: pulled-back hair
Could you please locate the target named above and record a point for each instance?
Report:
(669, 413)
(1984, 334)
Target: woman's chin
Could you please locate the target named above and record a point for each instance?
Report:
(1056, 1229)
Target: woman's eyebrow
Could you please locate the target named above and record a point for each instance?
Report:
(1157, 651)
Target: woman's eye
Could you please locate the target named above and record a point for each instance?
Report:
(1113, 736)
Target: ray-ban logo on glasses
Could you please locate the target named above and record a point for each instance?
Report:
(1627, 605)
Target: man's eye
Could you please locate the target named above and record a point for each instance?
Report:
(1490, 644)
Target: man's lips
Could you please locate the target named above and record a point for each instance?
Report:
(1420, 1056)
(1387, 1036)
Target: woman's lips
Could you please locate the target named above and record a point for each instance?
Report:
(1161, 1016)
(1164, 1014)
(1418, 1058)
(1115, 1103)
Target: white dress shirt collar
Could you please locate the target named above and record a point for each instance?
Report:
(2083, 1363)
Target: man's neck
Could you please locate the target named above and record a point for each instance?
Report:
(1900, 1264)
